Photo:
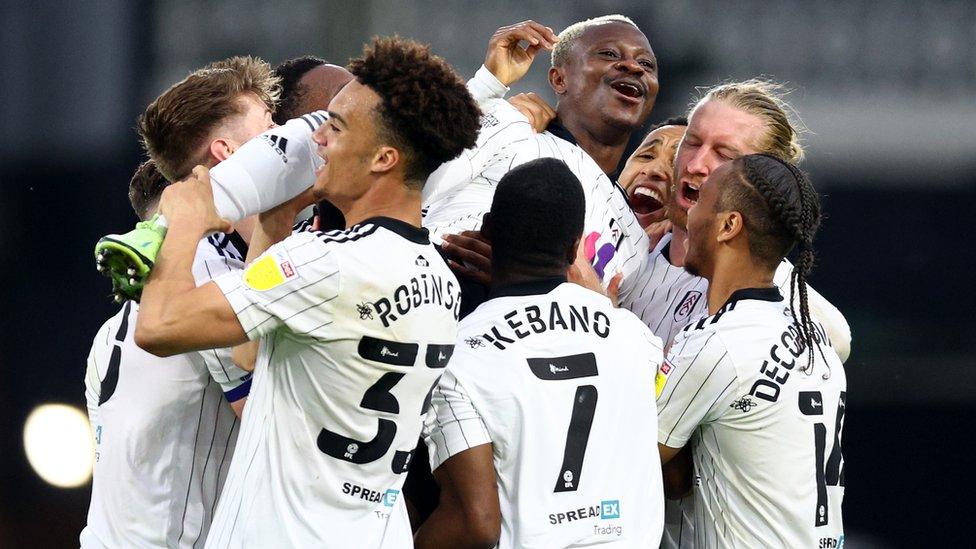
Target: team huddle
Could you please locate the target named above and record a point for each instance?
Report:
(380, 306)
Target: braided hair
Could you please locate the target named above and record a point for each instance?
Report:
(781, 211)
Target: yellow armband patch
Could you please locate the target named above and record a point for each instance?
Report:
(661, 378)
(269, 271)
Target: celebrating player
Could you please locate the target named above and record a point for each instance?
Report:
(605, 75)
(543, 426)
(361, 321)
(648, 174)
(730, 120)
(756, 385)
(164, 431)
(308, 84)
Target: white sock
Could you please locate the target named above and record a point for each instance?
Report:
(268, 170)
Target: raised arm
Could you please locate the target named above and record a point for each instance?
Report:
(176, 316)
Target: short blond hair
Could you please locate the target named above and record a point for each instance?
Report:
(766, 100)
(174, 127)
(569, 35)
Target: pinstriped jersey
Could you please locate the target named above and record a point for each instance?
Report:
(164, 433)
(560, 383)
(613, 240)
(667, 297)
(357, 325)
(765, 425)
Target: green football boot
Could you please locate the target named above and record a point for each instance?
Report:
(128, 258)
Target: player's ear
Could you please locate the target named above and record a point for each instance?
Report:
(731, 224)
(220, 150)
(571, 253)
(557, 80)
(486, 226)
(385, 159)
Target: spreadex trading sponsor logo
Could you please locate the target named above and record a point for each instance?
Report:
(388, 497)
(607, 509)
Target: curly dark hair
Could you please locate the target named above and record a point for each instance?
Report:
(425, 111)
(291, 72)
(781, 210)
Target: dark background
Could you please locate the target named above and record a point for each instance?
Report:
(886, 89)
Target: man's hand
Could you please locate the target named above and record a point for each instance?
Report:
(656, 231)
(507, 59)
(535, 108)
(190, 203)
(469, 256)
(581, 272)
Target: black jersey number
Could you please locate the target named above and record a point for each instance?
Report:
(584, 408)
(580, 422)
(379, 397)
(829, 470)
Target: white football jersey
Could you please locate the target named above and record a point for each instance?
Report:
(358, 326)
(458, 197)
(765, 431)
(668, 298)
(560, 383)
(164, 433)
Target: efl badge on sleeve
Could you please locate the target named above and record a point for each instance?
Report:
(661, 378)
(270, 271)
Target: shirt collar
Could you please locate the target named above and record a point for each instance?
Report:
(761, 294)
(538, 286)
(417, 235)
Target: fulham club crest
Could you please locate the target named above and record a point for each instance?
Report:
(687, 305)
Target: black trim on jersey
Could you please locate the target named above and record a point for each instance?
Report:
(560, 131)
(238, 241)
(111, 380)
(539, 286)
(416, 235)
(352, 234)
(761, 294)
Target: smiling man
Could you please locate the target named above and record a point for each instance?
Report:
(648, 175)
(604, 74)
(359, 323)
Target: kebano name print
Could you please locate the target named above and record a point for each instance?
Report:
(426, 289)
(522, 323)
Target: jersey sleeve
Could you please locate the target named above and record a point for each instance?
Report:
(290, 285)
(502, 126)
(269, 169)
(453, 424)
(234, 382)
(691, 384)
(838, 330)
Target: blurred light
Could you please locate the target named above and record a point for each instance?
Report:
(59, 446)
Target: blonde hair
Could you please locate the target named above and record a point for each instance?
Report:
(174, 127)
(569, 35)
(766, 100)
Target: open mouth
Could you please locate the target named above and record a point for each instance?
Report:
(689, 193)
(628, 89)
(646, 200)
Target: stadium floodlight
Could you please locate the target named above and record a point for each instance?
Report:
(59, 445)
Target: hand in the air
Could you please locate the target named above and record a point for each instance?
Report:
(507, 59)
